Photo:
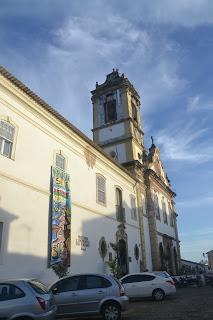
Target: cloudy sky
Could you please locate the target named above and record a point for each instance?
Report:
(61, 48)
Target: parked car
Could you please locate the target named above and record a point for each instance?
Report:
(182, 281)
(88, 294)
(163, 274)
(26, 299)
(147, 284)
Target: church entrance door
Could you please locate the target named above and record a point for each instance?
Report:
(122, 256)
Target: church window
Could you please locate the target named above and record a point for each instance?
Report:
(101, 189)
(110, 109)
(156, 206)
(133, 207)
(134, 113)
(164, 212)
(7, 133)
(60, 161)
(171, 216)
(120, 211)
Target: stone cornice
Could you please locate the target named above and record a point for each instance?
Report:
(117, 122)
(117, 83)
(166, 236)
(158, 180)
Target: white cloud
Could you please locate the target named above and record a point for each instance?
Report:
(185, 142)
(196, 103)
(93, 38)
(187, 13)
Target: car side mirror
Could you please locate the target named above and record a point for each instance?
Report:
(55, 291)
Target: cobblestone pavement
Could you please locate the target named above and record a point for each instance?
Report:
(188, 304)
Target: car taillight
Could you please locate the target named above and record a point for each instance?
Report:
(171, 282)
(41, 302)
(122, 291)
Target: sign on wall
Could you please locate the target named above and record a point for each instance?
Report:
(83, 242)
(61, 218)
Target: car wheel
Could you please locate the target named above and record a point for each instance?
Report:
(158, 295)
(111, 311)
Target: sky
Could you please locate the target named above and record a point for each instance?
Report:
(165, 48)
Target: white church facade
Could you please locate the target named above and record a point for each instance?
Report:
(64, 197)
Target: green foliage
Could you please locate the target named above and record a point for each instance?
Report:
(60, 269)
(114, 263)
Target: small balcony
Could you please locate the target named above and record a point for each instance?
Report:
(120, 214)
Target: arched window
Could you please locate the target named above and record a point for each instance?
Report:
(101, 189)
(171, 215)
(7, 133)
(60, 161)
(164, 212)
(110, 109)
(133, 207)
(120, 213)
(134, 113)
(156, 206)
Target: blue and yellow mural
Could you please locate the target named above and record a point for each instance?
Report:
(61, 218)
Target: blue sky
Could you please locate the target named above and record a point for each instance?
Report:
(165, 48)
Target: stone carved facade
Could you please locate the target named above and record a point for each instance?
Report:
(124, 135)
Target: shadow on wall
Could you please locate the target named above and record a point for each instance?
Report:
(93, 230)
(85, 254)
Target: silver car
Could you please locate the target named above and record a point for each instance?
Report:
(25, 299)
(88, 294)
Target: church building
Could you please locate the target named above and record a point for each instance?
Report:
(67, 199)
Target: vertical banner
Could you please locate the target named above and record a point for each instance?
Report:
(61, 218)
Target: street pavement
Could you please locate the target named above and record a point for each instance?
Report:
(192, 303)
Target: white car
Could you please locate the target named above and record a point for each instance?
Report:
(147, 284)
(162, 274)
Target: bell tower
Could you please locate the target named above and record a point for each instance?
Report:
(117, 124)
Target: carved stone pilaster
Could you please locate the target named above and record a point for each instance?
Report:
(152, 230)
(141, 224)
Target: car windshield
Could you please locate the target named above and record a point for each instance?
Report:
(162, 274)
(38, 287)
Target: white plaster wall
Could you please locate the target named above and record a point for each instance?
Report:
(161, 226)
(120, 150)
(111, 132)
(24, 213)
(138, 151)
(24, 193)
(85, 223)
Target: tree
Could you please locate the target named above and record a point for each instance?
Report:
(114, 263)
(60, 269)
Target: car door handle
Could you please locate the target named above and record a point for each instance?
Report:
(100, 292)
(74, 294)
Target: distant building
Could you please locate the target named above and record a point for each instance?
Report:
(65, 198)
(191, 267)
(210, 259)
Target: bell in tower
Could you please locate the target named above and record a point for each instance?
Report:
(117, 119)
